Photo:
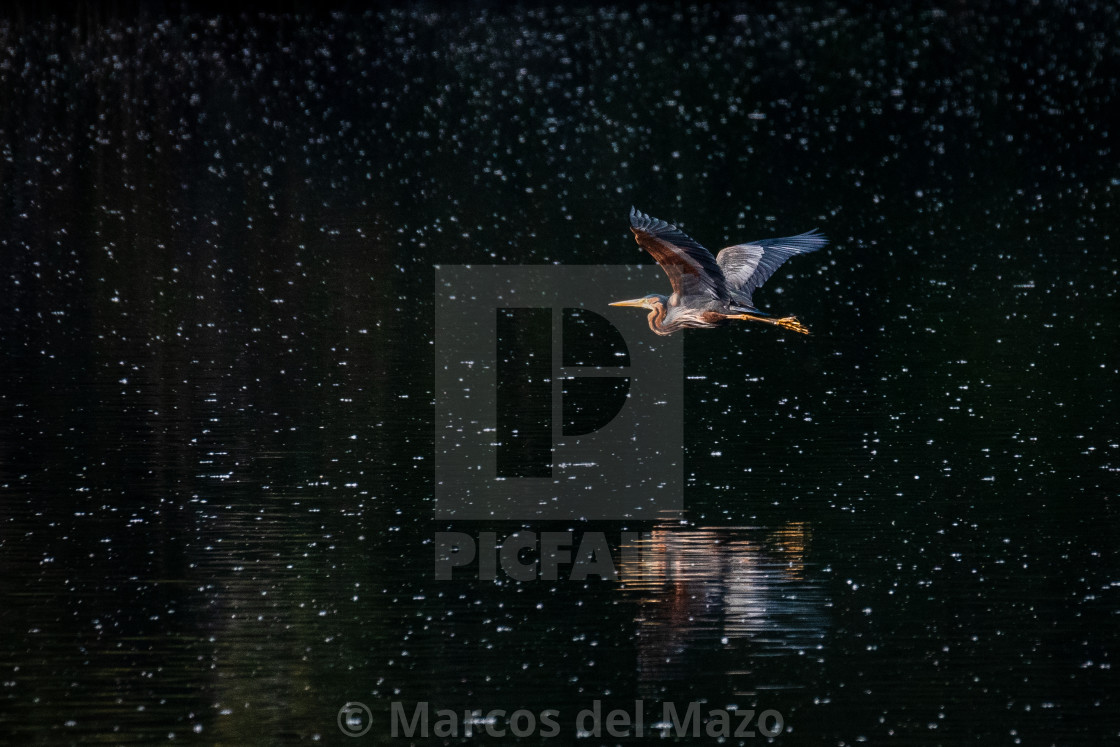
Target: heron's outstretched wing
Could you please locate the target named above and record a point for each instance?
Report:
(747, 266)
(691, 268)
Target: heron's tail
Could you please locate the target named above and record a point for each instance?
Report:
(742, 308)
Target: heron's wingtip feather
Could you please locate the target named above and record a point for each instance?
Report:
(816, 236)
(638, 219)
(802, 243)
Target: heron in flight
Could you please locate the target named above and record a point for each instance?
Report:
(710, 291)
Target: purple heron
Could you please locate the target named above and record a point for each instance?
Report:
(710, 291)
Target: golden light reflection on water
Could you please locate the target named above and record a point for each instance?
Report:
(736, 593)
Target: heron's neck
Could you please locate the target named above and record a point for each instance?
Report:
(656, 317)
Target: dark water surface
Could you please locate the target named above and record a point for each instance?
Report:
(218, 234)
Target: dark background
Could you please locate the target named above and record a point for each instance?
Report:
(217, 233)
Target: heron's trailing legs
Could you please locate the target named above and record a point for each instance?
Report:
(787, 322)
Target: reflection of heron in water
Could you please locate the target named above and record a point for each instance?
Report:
(725, 600)
(709, 291)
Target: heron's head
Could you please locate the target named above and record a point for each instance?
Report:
(651, 301)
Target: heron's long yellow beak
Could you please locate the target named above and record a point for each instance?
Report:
(639, 302)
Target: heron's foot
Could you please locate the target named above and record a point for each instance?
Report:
(786, 322)
(792, 323)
